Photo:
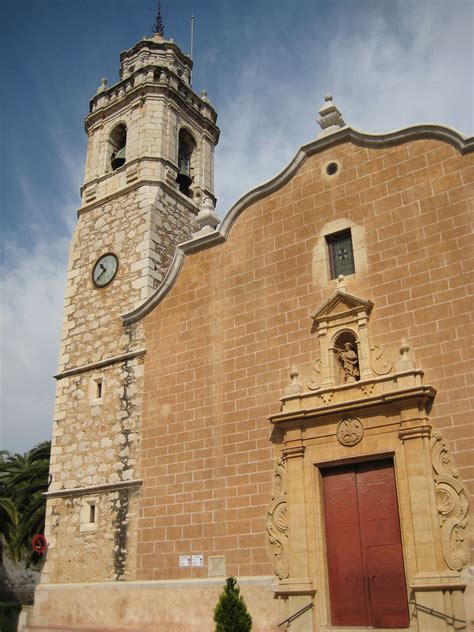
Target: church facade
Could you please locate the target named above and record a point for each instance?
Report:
(284, 397)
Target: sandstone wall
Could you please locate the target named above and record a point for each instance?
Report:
(221, 345)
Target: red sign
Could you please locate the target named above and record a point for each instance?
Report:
(39, 543)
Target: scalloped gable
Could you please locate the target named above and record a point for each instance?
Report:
(426, 131)
(340, 303)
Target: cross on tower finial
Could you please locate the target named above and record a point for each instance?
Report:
(159, 27)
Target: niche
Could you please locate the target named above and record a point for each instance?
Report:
(117, 146)
(345, 349)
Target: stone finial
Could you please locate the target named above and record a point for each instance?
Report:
(404, 349)
(103, 85)
(294, 386)
(206, 219)
(203, 96)
(331, 119)
(341, 283)
(405, 361)
(159, 27)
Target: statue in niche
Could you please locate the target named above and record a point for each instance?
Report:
(349, 363)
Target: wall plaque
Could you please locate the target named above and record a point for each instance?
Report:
(197, 560)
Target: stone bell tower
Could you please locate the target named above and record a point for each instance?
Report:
(149, 165)
(151, 133)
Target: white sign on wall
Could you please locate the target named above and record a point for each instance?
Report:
(184, 560)
(197, 560)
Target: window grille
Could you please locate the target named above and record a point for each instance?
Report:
(341, 254)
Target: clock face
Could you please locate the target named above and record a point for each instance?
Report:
(105, 270)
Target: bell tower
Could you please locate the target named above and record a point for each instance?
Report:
(149, 165)
(150, 132)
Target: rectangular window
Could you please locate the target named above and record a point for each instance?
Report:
(367, 585)
(341, 254)
(89, 515)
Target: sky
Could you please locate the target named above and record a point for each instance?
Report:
(266, 65)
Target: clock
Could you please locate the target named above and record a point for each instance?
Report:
(104, 270)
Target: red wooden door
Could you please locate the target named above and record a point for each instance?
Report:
(365, 559)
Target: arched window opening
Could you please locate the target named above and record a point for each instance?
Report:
(346, 357)
(117, 145)
(186, 147)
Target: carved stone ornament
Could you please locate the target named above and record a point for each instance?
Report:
(452, 504)
(315, 381)
(380, 364)
(350, 431)
(277, 522)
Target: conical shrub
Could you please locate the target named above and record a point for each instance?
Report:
(230, 614)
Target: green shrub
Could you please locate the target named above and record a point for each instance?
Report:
(231, 614)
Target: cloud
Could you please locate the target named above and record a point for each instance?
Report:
(392, 66)
(32, 289)
(32, 281)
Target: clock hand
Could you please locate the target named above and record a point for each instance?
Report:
(103, 270)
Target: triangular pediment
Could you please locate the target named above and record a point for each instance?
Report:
(340, 303)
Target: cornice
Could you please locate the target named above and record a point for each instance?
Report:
(149, 42)
(93, 489)
(401, 395)
(347, 134)
(424, 131)
(152, 88)
(183, 199)
(123, 357)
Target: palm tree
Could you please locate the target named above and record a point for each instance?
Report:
(23, 479)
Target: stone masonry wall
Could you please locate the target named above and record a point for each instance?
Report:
(96, 436)
(221, 346)
(105, 554)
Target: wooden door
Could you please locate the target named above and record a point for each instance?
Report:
(365, 559)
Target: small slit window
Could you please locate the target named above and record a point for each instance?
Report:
(89, 514)
(92, 514)
(341, 254)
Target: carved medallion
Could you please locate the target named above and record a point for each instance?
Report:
(350, 431)
(277, 522)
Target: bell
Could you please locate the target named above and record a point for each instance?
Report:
(183, 178)
(119, 159)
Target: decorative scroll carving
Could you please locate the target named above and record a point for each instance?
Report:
(452, 504)
(350, 431)
(380, 364)
(316, 378)
(277, 522)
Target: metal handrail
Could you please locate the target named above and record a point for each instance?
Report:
(295, 615)
(448, 617)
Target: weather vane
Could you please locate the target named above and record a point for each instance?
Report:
(159, 27)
